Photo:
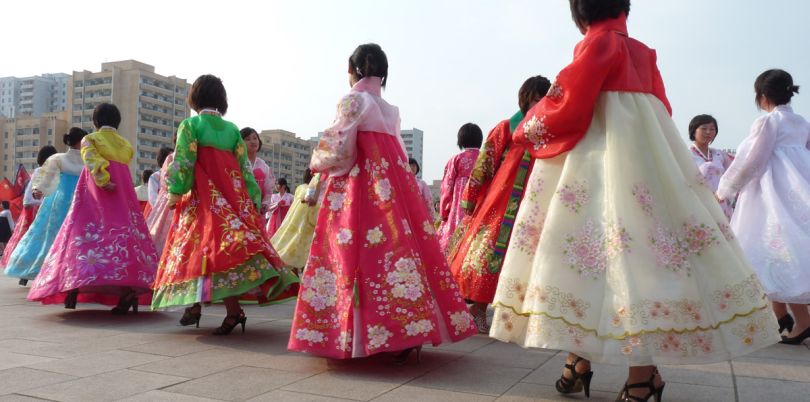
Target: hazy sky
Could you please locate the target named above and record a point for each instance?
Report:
(451, 62)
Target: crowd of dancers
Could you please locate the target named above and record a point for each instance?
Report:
(582, 219)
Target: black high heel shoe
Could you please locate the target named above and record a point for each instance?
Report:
(230, 322)
(578, 381)
(22, 282)
(125, 302)
(786, 323)
(796, 340)
(655, 392)
(402, 357)
(71, 299)
(190, 316)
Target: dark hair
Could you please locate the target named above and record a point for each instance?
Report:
(307, 176)
(586, 12)
(6, 204)
(146, 174)
(369, 60)
(283, 182)
(208, 92)
(163, 153)
(698, 121)
(75, 135)
(247, 131)
(775, 85)
(412, 161)
(532, 90)
(470, 136)
(106, 114)
(45, 153)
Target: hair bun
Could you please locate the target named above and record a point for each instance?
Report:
(793, 88)
(66, 138)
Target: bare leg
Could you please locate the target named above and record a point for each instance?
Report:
(801, 317)
(582, 367)
(641, 375)
(232, 306)
(779, 309)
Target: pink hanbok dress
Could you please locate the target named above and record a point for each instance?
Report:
(712, 167)
(160, 217)
(266, 181)
(456, 175)
(279, 206)
(103, 246)
(375, 280)
(424, 191)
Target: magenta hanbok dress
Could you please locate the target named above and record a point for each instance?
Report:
(375, 280)
(456, 175)
(103, 246)
(160, 217)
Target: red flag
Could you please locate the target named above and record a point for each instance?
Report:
(7, 192)
(21, 180)
(16, 207)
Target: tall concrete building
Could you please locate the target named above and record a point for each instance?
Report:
(151, 105)
(413, 145)
(286, 154)
(33, 96)
(23, 136)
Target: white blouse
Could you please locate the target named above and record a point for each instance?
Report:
(48, 179)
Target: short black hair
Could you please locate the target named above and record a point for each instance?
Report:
(532, 90)
(75, 135)
(470, 136)
(6, 204)
(412, 161)
(207, 92)
(700, 120)
(247, 131)
(45, 153)
(146, 174)
(775, 85)
(283, 182)
(586, 12)
(307, 176)
(163, 153)
(369, 60)
(106, 114)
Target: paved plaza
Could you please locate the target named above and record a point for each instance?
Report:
(49, 353)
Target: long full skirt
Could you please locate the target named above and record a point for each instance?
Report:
(294, 238)
(103, 248)
(217, 248)
(625, 257)
(376, 280)
(27, 258)
(27, 217)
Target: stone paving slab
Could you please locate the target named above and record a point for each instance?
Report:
(50, 353)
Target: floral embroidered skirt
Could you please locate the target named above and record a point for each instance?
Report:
(376, 280)
(447, 229)
(26, 219)
(27, 258)
(476, 258)
(294, 238)
(217, 248)
(628, 258)
(102, 247)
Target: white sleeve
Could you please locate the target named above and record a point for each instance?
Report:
(752, 158)
(154, 187)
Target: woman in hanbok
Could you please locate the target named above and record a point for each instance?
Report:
(103, 253)
(376, 280)
(261, 170)
(424, 190)
(456, 174)
(30, 208)
(6, 224)
(627, 256)
(280, 203)
(491, 200)
(54, 184)
(155, 181)
(142, 192)
(216, 251)
(161, 216)
(293, 239)
(772, 219)
(711, 162)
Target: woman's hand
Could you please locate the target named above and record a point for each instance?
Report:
(718, 198)
(36, 194)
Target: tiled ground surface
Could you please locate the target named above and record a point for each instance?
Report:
(48, 353)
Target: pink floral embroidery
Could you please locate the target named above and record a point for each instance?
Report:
(643, 197)
(589, 250)
(574, 196)
(537, 132)
(555, 92)
(672, 250)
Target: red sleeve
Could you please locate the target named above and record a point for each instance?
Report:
(562, 117)
(488, 162)
(658, 84)
(448, 183)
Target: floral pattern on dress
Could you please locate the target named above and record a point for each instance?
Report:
(673, 249)
(555, 92)
(461, 321)
(574, 196)
(537, 133)
(378, 336)
(320, 289)
(738, 294)
(590, 249)
(528, 230)
(476, 258)
(642, 195)
(375, 236)
(683, 312)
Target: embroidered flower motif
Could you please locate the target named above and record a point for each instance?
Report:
(344, 341)
(461, 321)
(643, 197)
(377, 336)
(406, 227)
(336, 201)
(428, 228)
(574, 196)
(93, 260)
(349, 106)
(672, 250)
(405, 280)
(421, 327)
(375, 235)
(355, 171)
(536, 132)
(555, 92)
(383, 189)
(310, 335)
(344, 236)
(320, 289)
